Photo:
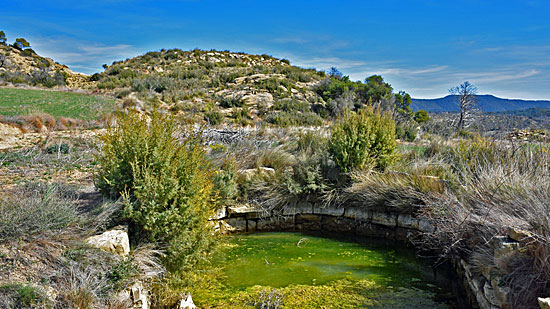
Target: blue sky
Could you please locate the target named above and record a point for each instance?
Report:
(423, 47)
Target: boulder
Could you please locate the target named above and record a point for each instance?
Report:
(250, 173)
(115, 241)
(255, 99)
(329, 210)
(219, 213)
(243, 210)
(358, 213)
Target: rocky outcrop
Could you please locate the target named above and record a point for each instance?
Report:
(115, 241)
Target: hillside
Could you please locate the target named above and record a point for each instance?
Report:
(209, 86)
(26, 67)
(487, 103)
(214, 85)
(536, 112)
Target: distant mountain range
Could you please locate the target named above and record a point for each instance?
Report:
(487, 103)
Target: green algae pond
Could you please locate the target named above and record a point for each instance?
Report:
(294, 270)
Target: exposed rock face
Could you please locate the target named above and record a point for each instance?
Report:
(8, 135)
(256, 99)
(115, 241)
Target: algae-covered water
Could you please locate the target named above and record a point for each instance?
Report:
(294, 270)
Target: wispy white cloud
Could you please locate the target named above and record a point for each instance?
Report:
(535, 53)
(498, 76)
(328, 62)
(82, 56)
(410, 72)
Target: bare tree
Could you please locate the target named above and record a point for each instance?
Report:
(466, 95)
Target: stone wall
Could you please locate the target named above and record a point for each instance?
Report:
(483, 288)
(485, 283)
(309, 216)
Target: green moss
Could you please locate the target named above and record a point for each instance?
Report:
(293, 270)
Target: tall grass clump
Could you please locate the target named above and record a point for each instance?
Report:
(166, 184)
(35, 208)
(363, 139)
(496, 187)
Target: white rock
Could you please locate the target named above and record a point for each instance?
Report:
(187, 303)
(250, 173)
(115, 241)
(544, 303)
(138, 295)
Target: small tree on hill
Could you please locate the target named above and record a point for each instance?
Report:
(421, 116)
(335, 73)
(466, 95)
(2, 37)
(21, 43)
(402, 107)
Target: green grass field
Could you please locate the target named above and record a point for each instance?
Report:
(14, 102)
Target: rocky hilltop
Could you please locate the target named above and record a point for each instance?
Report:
(25, 66)
(216, 84)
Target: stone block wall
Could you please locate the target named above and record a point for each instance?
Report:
(483, 289)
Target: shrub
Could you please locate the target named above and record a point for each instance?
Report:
(230, 101)
(421, 116)
(242, 115)
(290, 105)
(225, 182)
(17, 295)
(285, 119)
(306, 176)
(363, 139)
(214, 117)
(166, 184)
(406, 132)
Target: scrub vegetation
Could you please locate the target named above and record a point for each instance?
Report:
(189, 132)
